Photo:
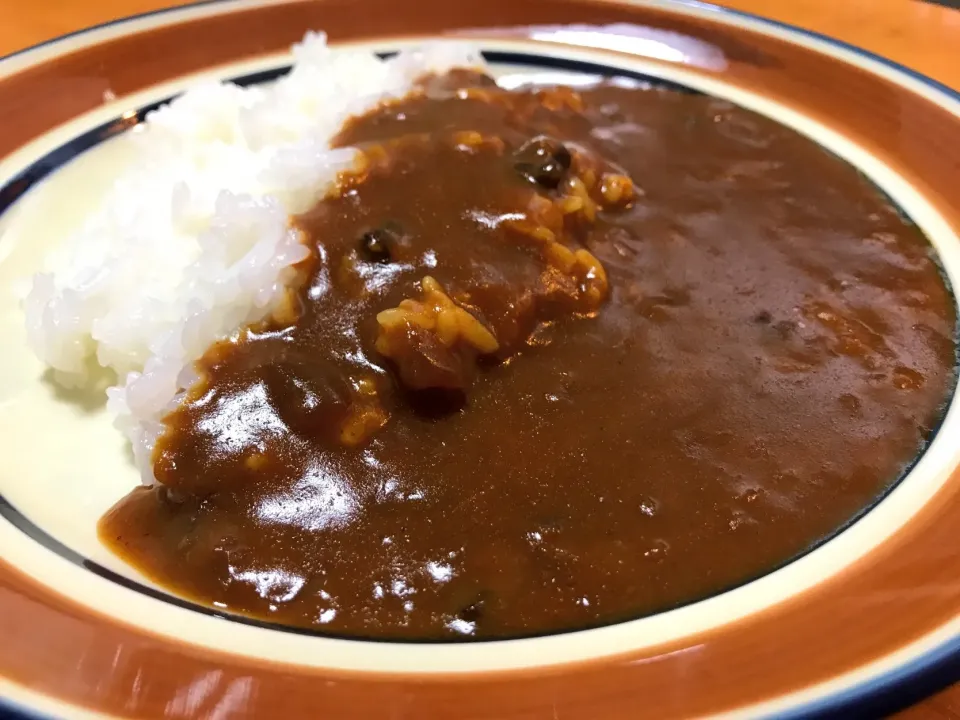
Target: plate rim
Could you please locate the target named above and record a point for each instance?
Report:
(890, 692)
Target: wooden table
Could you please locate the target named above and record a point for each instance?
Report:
(916, 33)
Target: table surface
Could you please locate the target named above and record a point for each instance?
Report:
(915, 33)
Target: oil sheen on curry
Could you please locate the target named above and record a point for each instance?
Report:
(559, 358)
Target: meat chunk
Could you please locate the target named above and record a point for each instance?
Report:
(433, 342)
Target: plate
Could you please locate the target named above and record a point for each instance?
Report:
(862, 623)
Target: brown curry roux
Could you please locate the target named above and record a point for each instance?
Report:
(559, 358)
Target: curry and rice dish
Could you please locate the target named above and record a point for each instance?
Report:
(556, 357)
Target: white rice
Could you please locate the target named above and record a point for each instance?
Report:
(193, 242)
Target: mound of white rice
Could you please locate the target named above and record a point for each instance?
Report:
(194, 242)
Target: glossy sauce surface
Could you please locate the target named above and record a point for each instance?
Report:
(769, 346)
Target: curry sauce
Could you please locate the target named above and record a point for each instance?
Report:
(558, 358)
